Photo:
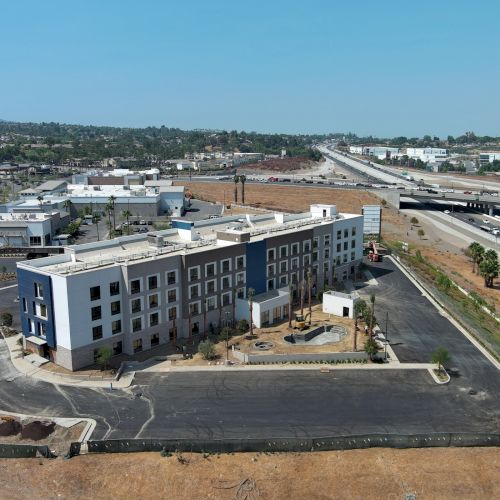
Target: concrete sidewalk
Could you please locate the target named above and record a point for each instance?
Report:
(40, 373)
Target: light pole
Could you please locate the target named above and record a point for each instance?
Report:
(386, 339)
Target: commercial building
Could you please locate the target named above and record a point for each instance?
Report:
(136, 292)
(432, 155)
(380, 152)
(20, 229)
(488, 157)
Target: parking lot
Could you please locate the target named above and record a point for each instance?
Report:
(416, 328)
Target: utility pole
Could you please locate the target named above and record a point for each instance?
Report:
(386, 339)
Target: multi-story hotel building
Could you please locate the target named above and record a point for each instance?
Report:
(137, 292)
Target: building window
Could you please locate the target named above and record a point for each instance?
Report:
(240, 279)
(97, 332)
(155, 339)
(194, 291)
(353, 243)
(307, 260)
(345, 258)
(115, 308)
(306, 246)
(346, 245)
(315, 242)
(153, 300)
(271, 270)
(339, 247)
(346, 233)
(137, 324)
(42, 329)
(283, 251)
(353, 255)
(137, 345)
(210, 270)
(339, 234)
(116, 326)
(135, 306)
(271, 254)
(326, 253)
(225, 266)
(171, 277)
(25, 305)
(326, 240)
(315, 256)
(43, 311)
(226, 282)
(211, 303)
(293, 277)
(135, 286)
(39, 290)
(154, 319)
(240, 293)
(226, 299)
(295, 248)
(35, 241)
(172, 313)
(96, 313)
(172, 295)
(295, 263)
(284, 266)
(270, 284)
(210, 286)
(117, 348)
(353, 231)
(95, 293)
(114, 288)
(194, 273)
(153, 282)
(194, 308)
(283, 281)
(338, 260)
(240, 262)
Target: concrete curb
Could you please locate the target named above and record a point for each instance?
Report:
(444, 312)
(436, 378)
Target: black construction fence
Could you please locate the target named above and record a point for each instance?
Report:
(24, 451)
(292, 444)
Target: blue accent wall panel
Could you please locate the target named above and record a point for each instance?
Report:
(181, 224)
(256, 266)
(26, 284)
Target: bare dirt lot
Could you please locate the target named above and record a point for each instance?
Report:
(284, 198)
(278, 165)
(453, 473)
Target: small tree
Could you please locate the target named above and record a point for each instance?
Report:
(441, 356)
(421, 233)
(371, 347)
(6, 318)
(104, 355)
(413, 222)
(242, 325)
(207, 349)
(224, 335)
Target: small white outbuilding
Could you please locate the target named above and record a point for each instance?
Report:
(340, 304)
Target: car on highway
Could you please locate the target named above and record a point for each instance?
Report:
(467, 192)
(486, 221)
(446, 212)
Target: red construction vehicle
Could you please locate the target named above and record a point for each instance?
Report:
(373, 254)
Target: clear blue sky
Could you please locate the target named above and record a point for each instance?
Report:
(383, 67)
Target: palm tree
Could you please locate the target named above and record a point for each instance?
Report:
(359, 308)
(251, 295)
(108, 209)
(474, 250)
(40, 201)
(302, 294)
(236, 180)
(309, 289)
(111, 202)
(67, 205)
(440, 356)
(479, 257)
(290, 298)
(243, 179)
